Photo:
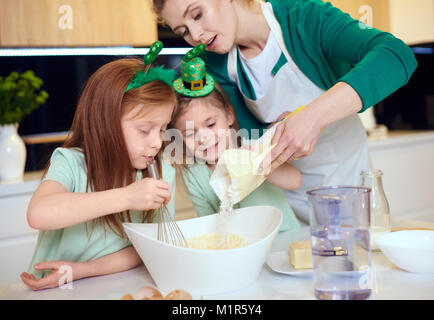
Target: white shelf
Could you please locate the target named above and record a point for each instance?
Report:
(27, 185)
(401, 139)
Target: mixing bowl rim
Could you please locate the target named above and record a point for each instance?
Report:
(379, 239)
(208, 251)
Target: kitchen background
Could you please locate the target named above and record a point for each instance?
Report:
(117, 28)
(130, 24)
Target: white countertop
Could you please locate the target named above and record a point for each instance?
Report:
(389, 282)
(401, 138)
(26, 185)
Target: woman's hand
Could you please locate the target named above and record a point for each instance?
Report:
(295, 138)
(58, 273)
(147, 194)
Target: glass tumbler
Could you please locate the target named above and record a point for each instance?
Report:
(341, 253)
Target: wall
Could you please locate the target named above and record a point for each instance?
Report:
(359, 9)
(55, 23)
(412, 21)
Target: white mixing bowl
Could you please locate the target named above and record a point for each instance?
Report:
(207, 272)
(411, 250)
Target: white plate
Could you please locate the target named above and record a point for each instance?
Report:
(279, 262)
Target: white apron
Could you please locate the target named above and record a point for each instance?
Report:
(342, 149)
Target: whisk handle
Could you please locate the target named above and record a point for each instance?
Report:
(153, 170)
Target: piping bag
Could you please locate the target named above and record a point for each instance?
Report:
(238, 170)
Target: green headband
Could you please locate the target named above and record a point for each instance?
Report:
(152, 74)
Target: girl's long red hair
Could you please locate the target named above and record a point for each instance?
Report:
(96, 128)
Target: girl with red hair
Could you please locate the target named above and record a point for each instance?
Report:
(97, 179)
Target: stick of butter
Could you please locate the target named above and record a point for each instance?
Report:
(300, 254)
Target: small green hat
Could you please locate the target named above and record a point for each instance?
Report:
(194, 82)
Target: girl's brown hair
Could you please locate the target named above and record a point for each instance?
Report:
(217, 98)
(96, 129)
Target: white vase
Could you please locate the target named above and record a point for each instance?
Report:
(12, 153)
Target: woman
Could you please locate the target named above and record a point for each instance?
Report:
(273, 58)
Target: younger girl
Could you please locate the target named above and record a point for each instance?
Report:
(97, 179)
(203, 117)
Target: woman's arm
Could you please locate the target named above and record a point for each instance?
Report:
(122, 260)
(380, 64)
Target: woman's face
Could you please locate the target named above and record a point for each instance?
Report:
(205, 129)
(211, 22)
(143, 134)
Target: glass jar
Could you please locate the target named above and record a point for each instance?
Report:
(380, 212)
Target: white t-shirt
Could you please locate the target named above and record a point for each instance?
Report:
(259, 68)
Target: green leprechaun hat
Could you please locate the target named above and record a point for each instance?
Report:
(194, 82)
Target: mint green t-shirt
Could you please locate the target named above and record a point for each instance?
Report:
(206, 201)
(68, 167)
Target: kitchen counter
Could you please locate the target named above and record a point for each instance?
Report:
(405, 157)
(27, 184)
(389, 282)
(400, 138)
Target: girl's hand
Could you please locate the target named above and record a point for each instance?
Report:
(147, 194)
(296, 138)
(56, 277)
(122, 260)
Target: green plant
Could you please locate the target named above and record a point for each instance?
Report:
(20, 95)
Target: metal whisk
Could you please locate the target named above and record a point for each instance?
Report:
(168, 229)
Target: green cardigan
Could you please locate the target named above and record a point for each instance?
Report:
(329, 47)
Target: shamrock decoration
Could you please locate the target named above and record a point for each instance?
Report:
(195, 52)
(153, 52)
(151, 74)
